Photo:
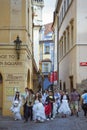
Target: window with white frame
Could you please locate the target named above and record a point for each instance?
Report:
(46, 67)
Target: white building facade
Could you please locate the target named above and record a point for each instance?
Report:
(72, 44)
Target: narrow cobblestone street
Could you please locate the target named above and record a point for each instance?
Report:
(69, 123)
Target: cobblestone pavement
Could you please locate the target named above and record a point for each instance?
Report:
(69, 123)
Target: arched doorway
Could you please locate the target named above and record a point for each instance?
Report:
(28, 79)
(1, 93)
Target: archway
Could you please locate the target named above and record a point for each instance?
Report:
(1, 93)
(28, 79)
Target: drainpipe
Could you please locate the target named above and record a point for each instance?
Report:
(57, 49)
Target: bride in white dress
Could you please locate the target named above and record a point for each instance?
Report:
(38, 110)
(64, 108)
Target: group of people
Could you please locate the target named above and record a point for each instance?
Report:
(39, 107)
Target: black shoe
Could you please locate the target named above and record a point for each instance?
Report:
(77, 114)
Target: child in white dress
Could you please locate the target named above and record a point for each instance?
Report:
(64, 108)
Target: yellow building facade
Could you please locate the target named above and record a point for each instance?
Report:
(16, 69)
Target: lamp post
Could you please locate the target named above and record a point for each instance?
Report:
(18, 47)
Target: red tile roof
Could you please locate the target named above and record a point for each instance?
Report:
(48, 28)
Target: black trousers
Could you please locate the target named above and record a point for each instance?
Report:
(26, 112)
(84, 107)
(51, 110)
(31, 112)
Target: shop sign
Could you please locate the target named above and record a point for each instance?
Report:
(83, 63)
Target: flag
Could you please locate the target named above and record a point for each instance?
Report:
(53, 76)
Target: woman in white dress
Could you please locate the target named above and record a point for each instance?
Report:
(38, 109)
(16, 105)
(64, 108)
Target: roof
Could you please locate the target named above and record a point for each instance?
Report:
(48, 28)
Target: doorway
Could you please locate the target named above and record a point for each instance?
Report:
(64, 86)
(60, 85)
(1, 93)
(71, 83)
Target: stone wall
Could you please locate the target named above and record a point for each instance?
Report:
(81, 86)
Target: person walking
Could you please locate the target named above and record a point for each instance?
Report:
(84, 102)
(25, 109)
(50, 100)
(74, 102)
(29, 100)
(38, 109)
(64, 108)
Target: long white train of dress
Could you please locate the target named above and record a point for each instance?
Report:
(64, 108)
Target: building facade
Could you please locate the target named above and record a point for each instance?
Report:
(15, 54)
(37, 23)
(56, 49)
(46, 54)
(72, 44)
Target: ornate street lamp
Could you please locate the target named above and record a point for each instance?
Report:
(18, 46)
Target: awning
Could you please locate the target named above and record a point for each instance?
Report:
(46, 83)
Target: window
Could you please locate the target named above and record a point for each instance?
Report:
(64, 6)
(67, 3)
(68, 36)
(62, 13)
(64, 42)
(47, 49)
(72, 33)
(62, 47)
(61, 50)
(46, 67)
